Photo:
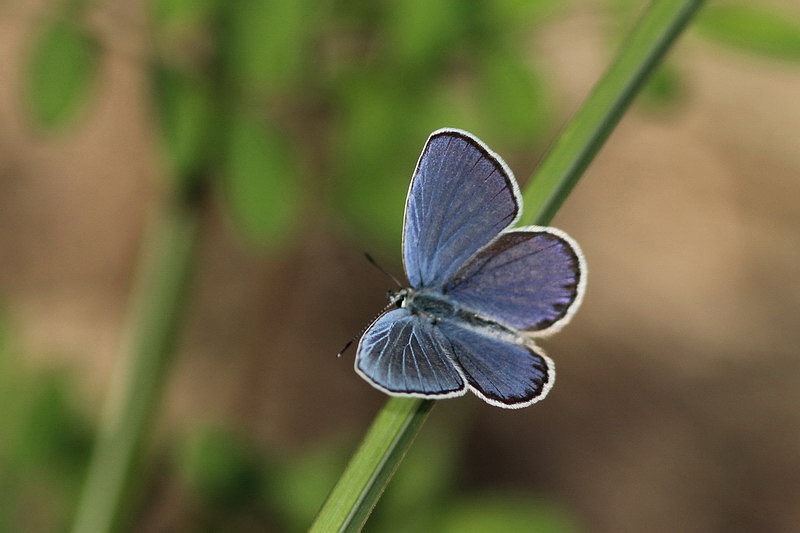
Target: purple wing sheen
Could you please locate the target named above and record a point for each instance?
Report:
(501, 371)
(461, 196)
(530, 278)
(404, 354)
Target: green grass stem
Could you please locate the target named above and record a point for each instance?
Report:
(358, 490)
(585, 134)
(110, 486)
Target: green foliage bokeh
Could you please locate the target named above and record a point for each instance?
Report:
(359, 86)
(282, 106)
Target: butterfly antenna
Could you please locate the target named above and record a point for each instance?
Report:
(391, 304)
(356, 337)
(346, 346)
(376, 265)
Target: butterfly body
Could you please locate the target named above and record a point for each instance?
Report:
(435, 307)
(428, 304)
(480, 290)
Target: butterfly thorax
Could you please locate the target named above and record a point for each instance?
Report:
(435, 306)
(427, 304)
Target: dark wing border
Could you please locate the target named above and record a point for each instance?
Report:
(473, 359)
(490, 155)
(580, 288)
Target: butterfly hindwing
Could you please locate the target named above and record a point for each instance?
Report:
(529, 278)
(502, 370)
(405, 354)
(461, 196)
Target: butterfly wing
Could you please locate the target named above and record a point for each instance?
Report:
(406, 355)
(530, 278)
(500, 369)
(461, 202)
(461, 196)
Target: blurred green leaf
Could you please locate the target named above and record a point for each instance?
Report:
(625, 11)
(267, 41)
(374, 157)
(383, 127)
(422, 484)
(754, 28)
(504, 22)
(301, 483)
(184, 110)
(261, 181)
(8, 504)
(497, 512)
(44, 444)
(61, 71)
(512, 98)
(421, 33)
(6, 367)
(169, 15)
(664, 88)
(221, 469)
(527, 10)
(50, 432)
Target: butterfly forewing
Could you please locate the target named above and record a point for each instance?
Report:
(529, 278)
(461, 196)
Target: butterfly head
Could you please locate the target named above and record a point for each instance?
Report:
(398, 298)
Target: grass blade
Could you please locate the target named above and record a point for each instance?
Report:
(110, 484)
(365, 478)
(585, 134)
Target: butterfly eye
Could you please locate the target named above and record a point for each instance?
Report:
(397, 298)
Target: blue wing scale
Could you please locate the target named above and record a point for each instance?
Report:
(528, 278)
(461, 196)
(503, 371)
(405, 354)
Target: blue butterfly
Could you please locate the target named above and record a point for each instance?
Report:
(480, 290)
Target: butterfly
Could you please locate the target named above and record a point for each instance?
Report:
(480, 290)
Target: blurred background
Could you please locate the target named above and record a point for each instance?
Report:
(677, 406)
